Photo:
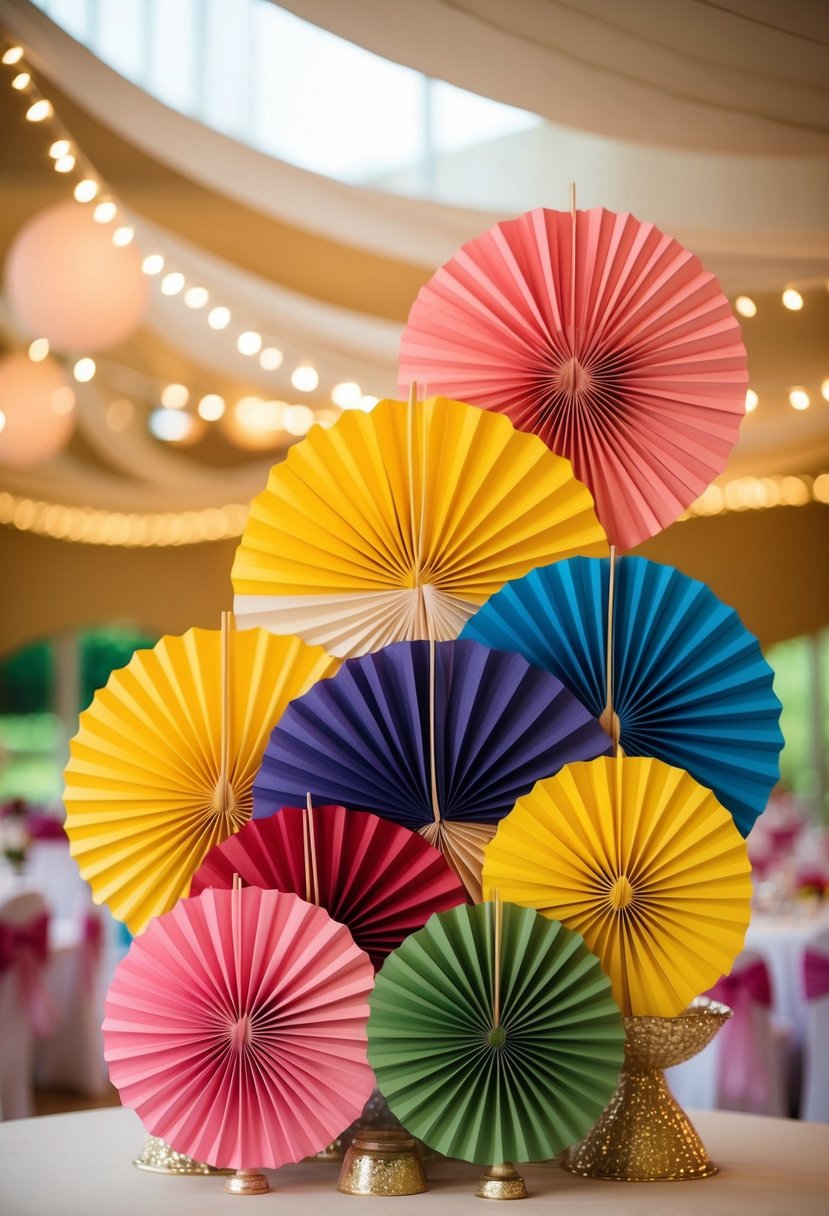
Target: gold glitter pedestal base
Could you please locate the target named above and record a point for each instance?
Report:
(502, 1182)
(643, 1135)
(382, 1162)
(247, 1182)
(158, 1158)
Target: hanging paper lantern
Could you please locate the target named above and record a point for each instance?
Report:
(37, 406)
(67, 282)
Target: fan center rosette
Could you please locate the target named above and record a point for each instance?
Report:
(162, 765)
(643, 862)
(603, 336)
(236, 1028)
(689, 682)
(439, 737)
(396, 525)
(495, 1042)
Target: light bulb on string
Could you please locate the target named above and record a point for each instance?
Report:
(21, 81)
(219, 318)
(84, 370)
(792, 299)
(270, 359)
(65, 164)
(153, 264)
(123, 236)
(86, 190)
(105, 212)
(13, 55)
(196, 297)
(40, 110)
(305, 378)
(59, 148)
(172, 283)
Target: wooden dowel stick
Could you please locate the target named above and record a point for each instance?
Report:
(496, 985)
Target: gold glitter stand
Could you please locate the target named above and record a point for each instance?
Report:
(247, 1182)
(382, 1162)
(501, 1182)
(158, 1158)
(643, 1135)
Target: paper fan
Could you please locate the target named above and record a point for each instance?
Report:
(439, 737)
(380, 880)
(494, 1035)
(644, 863)
(396, 525)
(606, 338)
(235, 1027)
(690, 684)
(162, 766)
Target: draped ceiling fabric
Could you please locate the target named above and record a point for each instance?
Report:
(708, 118)
(742, 76)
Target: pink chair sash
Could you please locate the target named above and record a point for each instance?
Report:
(743, 1071)
(815, 975)
(25, 949)
(91, 948)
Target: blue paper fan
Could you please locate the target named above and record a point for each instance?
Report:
(690, 684)
(440, 737)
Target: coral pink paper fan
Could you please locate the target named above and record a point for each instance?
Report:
(379, 879)
(627, 360)
(236, 1028)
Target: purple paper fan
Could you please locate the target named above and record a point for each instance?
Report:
(363, 737)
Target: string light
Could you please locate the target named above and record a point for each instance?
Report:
(84, 370)
(211, 407)
(153, 264)
(792, 299)
(112, 528)
(347, 395)
(89, 188)
(298, 419)
(745, 306)
(249, 342)
(175, 396)
(218, 318)
(752, 401)
(196, 297)
(105, 212)
(305, 378)
(824, 390)
(799, 398)
(38, 350)
(40, 110)
(172, 283)
(270, 358)
(86, 190)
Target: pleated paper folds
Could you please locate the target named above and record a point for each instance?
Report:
(396, 525)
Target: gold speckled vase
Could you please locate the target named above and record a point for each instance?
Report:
(643, 1135)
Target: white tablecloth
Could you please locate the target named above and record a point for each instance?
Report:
(80, 1165)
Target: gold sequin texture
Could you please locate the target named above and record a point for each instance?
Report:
(643, 1135)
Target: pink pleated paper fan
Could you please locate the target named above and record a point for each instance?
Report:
(605, 337)
(379, 879)
(236, 1028)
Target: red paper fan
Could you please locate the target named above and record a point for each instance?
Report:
(606, 338)
(236, 1028)
(380, 880)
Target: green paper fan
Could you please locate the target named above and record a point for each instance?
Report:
(490, 1064)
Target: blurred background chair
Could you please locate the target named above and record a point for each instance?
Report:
(25, 1005)
(815, 1104)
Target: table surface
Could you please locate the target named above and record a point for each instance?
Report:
(80, 1165)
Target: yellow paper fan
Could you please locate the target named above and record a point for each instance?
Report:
(643, 862)
(162, 765)
(396, 525)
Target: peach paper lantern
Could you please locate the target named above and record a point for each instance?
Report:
(67, 282)
(37, 410)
